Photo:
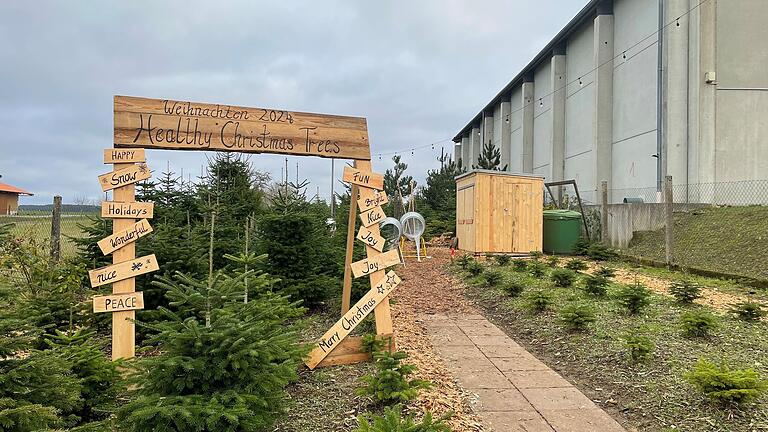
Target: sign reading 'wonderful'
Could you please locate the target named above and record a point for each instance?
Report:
(181, 125)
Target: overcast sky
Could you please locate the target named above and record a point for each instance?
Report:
(417, 70)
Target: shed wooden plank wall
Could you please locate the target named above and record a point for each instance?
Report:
(9, 203)
(499, 213)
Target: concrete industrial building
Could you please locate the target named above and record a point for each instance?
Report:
(633, 90)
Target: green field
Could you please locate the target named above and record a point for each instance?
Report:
(37, 228)
(731, 240)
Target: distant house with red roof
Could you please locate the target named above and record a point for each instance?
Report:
(9, 198)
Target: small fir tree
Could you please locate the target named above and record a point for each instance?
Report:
(227, 376)
(490, 158)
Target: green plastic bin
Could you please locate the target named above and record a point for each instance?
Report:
(562, 229)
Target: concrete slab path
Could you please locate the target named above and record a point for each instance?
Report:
(515, 391)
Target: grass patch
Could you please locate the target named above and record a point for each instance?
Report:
(717, 239)
(38, 229)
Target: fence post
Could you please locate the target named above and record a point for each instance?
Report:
(668, 219)
(56, 230)
(604, 237)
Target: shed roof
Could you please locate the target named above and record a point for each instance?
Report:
(13, 189)
(496, 173)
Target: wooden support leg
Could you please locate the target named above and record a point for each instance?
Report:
(382, 312)
(123, 327)
(346, 293)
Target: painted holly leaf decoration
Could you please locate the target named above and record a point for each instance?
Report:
(136, 266)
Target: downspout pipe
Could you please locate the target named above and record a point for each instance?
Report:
(660, 98)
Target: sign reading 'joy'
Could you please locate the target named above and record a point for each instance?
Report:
(182, 125)
(352, 318)
(370, 265)
(370, 238)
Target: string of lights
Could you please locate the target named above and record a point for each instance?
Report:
(579, 80)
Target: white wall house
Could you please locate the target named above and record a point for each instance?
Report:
(633, 90)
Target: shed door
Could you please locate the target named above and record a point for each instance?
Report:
(522, 215)
(465, 214)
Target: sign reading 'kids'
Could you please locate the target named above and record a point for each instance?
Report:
(183, 125)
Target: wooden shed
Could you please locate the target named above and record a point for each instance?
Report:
(499, 212)
(9, 198)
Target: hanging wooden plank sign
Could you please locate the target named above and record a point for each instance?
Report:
(352, 318)
(183, 125)
(378, 199)
(370, 238)
(379, 262)
(363, 178)
(372, 216)
(126, 155)
(124, 177)
(127, 210)
(123, 270)
(118, 302)
(121, 238)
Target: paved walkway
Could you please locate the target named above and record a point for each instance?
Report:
(516, 392)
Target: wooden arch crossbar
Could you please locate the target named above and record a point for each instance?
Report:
(141, 123)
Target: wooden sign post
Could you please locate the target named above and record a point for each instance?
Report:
(129, 167)
(141, 123)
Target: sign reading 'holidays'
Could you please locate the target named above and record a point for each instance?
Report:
(182, 125)
(127, 210)
(352, 318)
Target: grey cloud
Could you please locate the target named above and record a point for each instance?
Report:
(417, 70)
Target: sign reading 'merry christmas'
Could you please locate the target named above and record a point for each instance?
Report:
(352, 318)
(183, 125)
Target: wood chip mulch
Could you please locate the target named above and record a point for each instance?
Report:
(427, 289)
(710, 296)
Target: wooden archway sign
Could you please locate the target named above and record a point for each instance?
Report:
(142, 123)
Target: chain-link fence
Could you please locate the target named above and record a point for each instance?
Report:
(715, 227)
(38, 227)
